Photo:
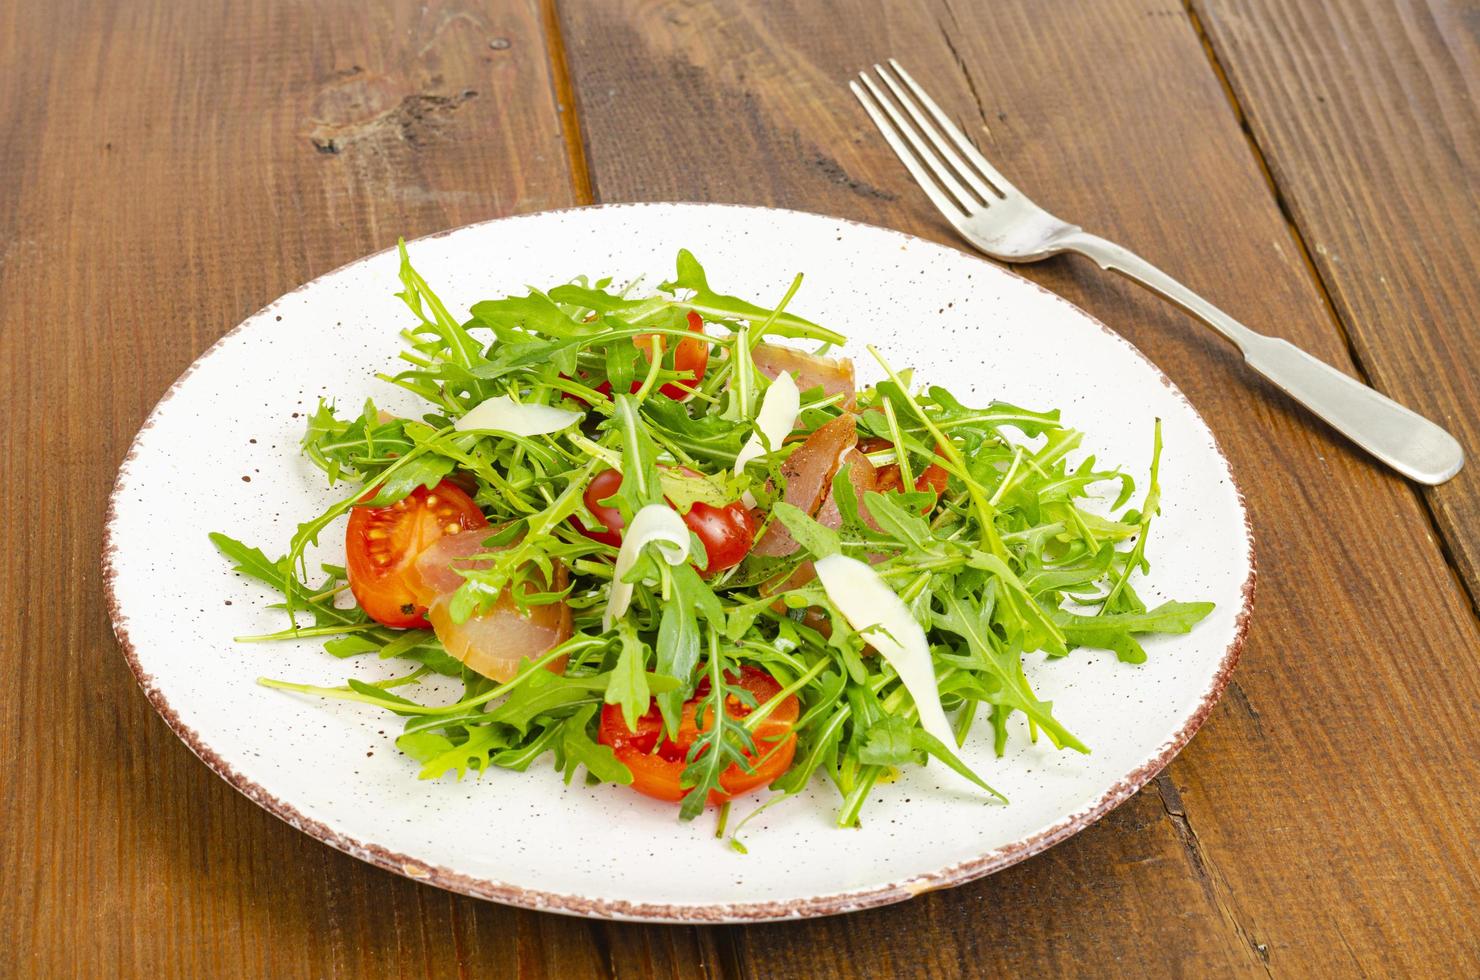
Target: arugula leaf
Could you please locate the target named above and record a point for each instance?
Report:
(511, 357)
(419, 647)
(640, 484)
(471, 753)
(690, 601)
(690, 276)
(710, 437)
(759, 569)
(818, 540)
(1117, 631)
(351, 645)
(1120, 598)
(379, 691)
(953, 415)
(535, 312)
(1004, 664)
(252, 563)
(889, 743)
(604, 302)
(927, 742)
(1013, 558)
(459, 346)
(577, 748)
(905, 526)
(543, 693)
(628, 686)
(683, 491)
(423, 471)
(723, 744)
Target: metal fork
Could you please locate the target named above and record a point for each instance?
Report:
(999, 220)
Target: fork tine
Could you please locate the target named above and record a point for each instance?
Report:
(932, 133)
(942, 201)
(927, 158)
(954, 132)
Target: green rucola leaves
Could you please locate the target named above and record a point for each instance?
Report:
(1027, 551)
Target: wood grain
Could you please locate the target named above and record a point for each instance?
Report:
(1325, 815)
(166, 169)
(1366, 111)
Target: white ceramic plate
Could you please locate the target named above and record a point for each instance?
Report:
(218, 453)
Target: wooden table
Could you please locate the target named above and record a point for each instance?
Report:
(166, 168)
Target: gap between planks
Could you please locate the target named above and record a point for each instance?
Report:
(1217, 887)
(1171, 798)
(727, 964)
(1298, 236)
(729, 961)
(565, 102)
(1213, 883)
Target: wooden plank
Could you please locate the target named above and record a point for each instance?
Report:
(1123, 895)
(1365, 111)
(1328, 800)
(166, 169)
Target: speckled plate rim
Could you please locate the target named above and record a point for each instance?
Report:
(532, 898)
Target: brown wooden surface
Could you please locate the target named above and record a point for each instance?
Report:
(165, 170)
(1367, 112)
(167, 167)
(1297, 809)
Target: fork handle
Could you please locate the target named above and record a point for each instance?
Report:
(1399, 436)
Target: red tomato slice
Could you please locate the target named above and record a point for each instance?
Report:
(382, 543)
(603, 486)
(726, 533)
(691, 357)
(657, 762)
(934, 477)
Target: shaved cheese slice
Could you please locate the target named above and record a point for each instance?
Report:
(773, 423)
(503, 414)
(874, 609)
(654, 524)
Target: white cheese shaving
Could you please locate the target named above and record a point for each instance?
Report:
(503, 414)
(773, 423)
(875, 610)
(654, 524)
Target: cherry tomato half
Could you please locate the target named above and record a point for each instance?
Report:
(690, 357)
(933, 477)
(727, 533)
(657, 762)
(382, 544)
(603, 486)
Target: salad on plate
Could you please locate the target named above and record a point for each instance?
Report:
(667, 540)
